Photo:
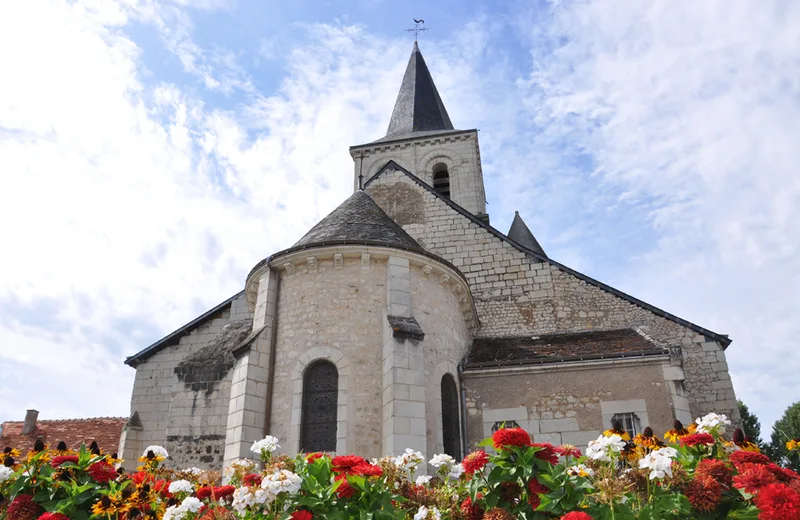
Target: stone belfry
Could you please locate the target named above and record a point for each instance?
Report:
(421, 138)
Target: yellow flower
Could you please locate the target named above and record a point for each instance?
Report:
(647, 440)
(678, 431)
(793, 444)
(616, 429)
(104, 506)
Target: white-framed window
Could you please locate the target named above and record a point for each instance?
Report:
(630, 422)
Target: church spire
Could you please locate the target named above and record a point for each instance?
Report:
(418, 107)
(520, 234)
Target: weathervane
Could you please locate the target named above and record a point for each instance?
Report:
(417, 29)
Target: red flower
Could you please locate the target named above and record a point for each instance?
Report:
(472, 511)
(568, 450)
(367, 470)
(715, 469)
(784, 475)
(63, 459)
(162, 487)
(302, 514)
(505, 437)
(778, 502)
(475, 461)
(214, 513)
(53, 516)
(204, 492)
(311, 457)
(548, 452)
(704, 493)
(535, 488)
(697, 438)
(753, 477)
(102, 472)
(576, 515)
(252, 479)
(221, 492)
(346, 463)
(23, 508)
(345, 490)
(140, 477)
(742, 457)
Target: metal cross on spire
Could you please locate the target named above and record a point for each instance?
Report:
(417, 29)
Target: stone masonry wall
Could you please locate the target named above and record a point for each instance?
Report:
(189, 423)
(566, 404)
(338, 308)
(517, 294)
(459, 152)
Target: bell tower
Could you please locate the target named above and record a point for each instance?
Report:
(421, 138)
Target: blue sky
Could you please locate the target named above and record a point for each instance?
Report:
(153, 151)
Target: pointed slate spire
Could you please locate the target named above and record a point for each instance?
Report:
(418, 107)
(520, 234)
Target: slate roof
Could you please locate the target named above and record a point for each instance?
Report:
(520, 233)
(357, 220)
(105, 430)
(419, 108)
(558, 348)
(723, 339)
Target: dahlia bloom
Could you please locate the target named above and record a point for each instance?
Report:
(102, 472)
(696, 439)
(704, 494)
(742, 457)
(302, 514)
(778, 502)
(753, 477)
(576, 515)
(475, 461)
(506, 437)
(715, 469)
(346, 463)
(568, 450)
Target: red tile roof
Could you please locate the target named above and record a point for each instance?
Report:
(105, 430)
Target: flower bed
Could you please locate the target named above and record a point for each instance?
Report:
(698, 475)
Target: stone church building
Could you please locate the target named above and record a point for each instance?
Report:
(403, 319)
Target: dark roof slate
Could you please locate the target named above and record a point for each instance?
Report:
(390, 165)
(406, 328)
(555, 348)
(520, 233)
(418, 108)
(358, 219)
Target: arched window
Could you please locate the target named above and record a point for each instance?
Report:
(450, 436)
(441, 179)
(320, 400)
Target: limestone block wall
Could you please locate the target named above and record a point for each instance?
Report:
(333, 307)
(517, 294)
(189, 423)
(460, 152)
(568, 404)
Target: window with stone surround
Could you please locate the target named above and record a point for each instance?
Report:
(450, 435)
(320, 404)
(630, 423)
(441, 180)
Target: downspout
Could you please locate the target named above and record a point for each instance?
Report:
(463, 409)
(272, 349)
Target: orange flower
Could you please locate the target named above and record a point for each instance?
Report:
(704, 494)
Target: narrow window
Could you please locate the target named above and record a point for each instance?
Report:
(320, 400)
(630, 423)
(450, 436)
(441, 179)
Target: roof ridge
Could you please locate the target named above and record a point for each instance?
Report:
(722, 338)
(40, 421)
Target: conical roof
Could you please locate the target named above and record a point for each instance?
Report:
(520, 234)
(357, 220)
(418, 107)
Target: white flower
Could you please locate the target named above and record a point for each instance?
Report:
(193, 471)
(580, 470)
(181, 486)
(191, 504)
(712, 423)
(283, 481)
(423, 479)
(604, 447)
(442, 459)
(262, 496)
(659, 462)
(243, 465)
(173, 513)
(409, 460)
(424, 512)
(242, 499)
(159, 451)
(5, 473)
(268, 444)
(456, 471)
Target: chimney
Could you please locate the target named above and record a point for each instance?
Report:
(30, 422)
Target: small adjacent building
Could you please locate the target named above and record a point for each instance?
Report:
(405, 320)
(22, 435)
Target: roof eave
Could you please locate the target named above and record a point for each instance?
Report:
(383, 141)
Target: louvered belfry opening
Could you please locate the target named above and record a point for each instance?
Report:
(320, 404)
(452, 442)
(441, 180)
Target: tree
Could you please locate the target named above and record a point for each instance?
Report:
(786, 428)
(751, 426)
